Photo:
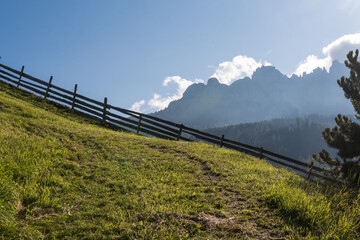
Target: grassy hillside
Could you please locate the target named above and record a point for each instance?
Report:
(63, 176)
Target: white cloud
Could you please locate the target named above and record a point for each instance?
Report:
(239, 67)
(158, 102)
(137, 106)
(266, 64)
(337, 50)
(182, 84)
(312, 62)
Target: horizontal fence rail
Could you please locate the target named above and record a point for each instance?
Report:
(146, 124)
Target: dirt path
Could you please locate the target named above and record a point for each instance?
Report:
(245, 215)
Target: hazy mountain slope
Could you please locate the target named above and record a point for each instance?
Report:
(268, 94)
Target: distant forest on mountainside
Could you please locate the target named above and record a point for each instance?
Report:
(298, 137)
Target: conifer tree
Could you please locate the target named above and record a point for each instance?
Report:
(345, 137)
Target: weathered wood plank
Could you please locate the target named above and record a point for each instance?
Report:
(178, 135)
(62, 90)
(121, 123)
(155, 134)
(48, 87)
(286, 164)
(90, 100)
(60, 95)
(24, 75)
(77, 101)
(123, 118)
(133, 113)
(163, 121)
(320, 176)
(21, 74)
(10, 69)
(222, 140)
(33, 85)
(307, 165)
(137, 115)
(139, 125)
(134, 127)
(73, 103)
(188, 129)
(201, 136)
(88, 105)
(5, 78)
(160, 125)
(143, 125)
(242, 145)
(31, 88)
(27, 76)
(88, 110)
(104, 110)
(240, 149)
(9, 74)
(59, 99)
(88, 115)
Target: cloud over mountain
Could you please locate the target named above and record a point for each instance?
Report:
(242, 66)
(137, 106)
(312, 62)
(239, 67)
(337, 50)
(158, 102)
(226, 72)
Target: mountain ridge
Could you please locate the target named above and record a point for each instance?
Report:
(266, 95)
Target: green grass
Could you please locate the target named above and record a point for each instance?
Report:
(65, 177)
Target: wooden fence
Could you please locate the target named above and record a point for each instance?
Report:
(148, 125)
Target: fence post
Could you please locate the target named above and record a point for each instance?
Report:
(21, 74)
(139, 124)
(261, 153)
(48, 87)
(104, 111)
(73, 102)
(179, 132)
(222, 141)
(309, 171)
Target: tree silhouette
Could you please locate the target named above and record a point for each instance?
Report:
(345, 137)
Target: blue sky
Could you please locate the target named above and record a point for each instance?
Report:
(128, 50)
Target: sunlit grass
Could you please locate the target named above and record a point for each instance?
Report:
(63, 176)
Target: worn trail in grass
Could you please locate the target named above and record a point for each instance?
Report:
(63, 176)
(242, 210)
